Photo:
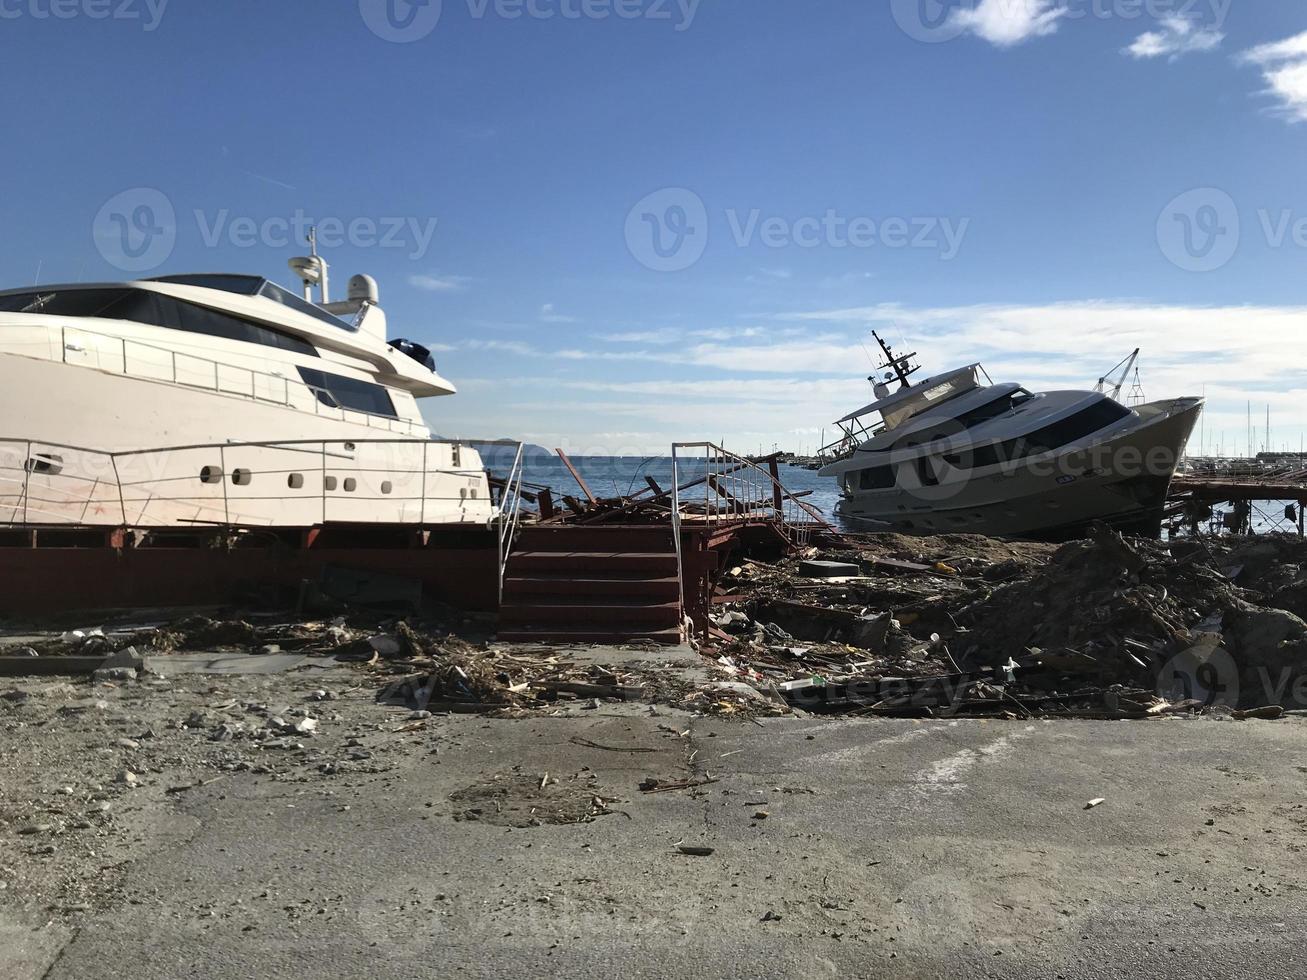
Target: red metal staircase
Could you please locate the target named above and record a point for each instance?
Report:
(592, 584)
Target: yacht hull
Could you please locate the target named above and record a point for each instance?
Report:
(88, 447)
(1122, 481)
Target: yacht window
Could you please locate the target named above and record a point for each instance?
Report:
(258, 286)
(876, 478)
(338, 391)
(1097, 416)
(155, 309)
(967, 420)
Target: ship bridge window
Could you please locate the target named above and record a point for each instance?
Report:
(1086, 422)
(258, 286)
(338, 391)
(967, 420)
(142, 306)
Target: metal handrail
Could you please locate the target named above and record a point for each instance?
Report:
(732, 487)
(510, 509)
(676, 531)
(745, 494)
(270, 382)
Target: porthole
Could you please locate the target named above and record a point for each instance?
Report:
(351, 484)
(295, 481)
(474, 494)
(462, 493)
(386, 486)
(329, 482)
(49, 463)
(211, 474)
(241, 478)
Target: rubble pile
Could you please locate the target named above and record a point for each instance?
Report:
(1105, 627)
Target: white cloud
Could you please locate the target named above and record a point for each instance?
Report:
(439, 284)
(549, 315)
(502, 346)
(787, 383)
(1009, 22)
(1284, 67)
(1179, 35)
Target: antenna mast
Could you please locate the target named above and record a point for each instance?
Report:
(900, 365)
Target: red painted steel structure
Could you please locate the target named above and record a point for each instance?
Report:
(46, 571)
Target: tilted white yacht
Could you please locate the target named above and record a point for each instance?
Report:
(221, 400)
(954, 455)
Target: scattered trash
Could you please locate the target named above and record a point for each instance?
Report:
(1097, 801)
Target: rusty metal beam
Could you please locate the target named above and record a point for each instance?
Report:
(576, 476)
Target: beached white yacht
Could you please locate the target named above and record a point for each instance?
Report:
(953, 454)
(221, 400)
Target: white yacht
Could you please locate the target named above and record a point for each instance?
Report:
(221, 400)
(953, 454)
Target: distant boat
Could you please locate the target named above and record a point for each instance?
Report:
(954, 455)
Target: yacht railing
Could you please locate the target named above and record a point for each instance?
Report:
(240, 485)
(137, 359)
(850, 439)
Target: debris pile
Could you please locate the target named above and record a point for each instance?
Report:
(1105, 627)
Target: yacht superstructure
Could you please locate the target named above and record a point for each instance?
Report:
(957, 454)
(222, 400)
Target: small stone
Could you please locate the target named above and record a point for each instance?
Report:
(419, 716)
(128, 743)
(306, 726)
(36, 828)
(114, 674)
(128, 778)
(760, 815)
(45, 849)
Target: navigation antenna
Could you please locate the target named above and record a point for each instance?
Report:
(900, 366)
(312, 270)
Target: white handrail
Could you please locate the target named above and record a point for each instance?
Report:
(510, 507)
(115, 479)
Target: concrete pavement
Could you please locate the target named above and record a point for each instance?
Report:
(887, 848)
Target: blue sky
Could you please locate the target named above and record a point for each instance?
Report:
(623, 222)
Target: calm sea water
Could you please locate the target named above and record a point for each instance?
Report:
(614, 476)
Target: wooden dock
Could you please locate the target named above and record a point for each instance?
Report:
(1194, 495)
